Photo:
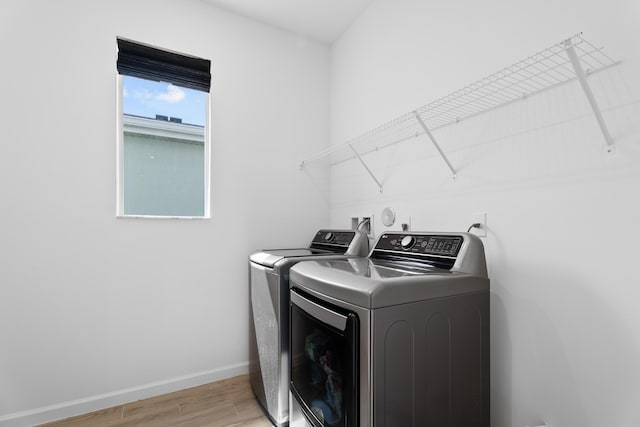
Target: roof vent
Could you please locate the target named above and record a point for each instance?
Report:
(163, 118)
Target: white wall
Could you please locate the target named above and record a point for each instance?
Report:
(562, 215)
(96, 310)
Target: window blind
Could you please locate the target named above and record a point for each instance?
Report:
(143, 61)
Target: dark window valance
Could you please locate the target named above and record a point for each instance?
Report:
(143, 61)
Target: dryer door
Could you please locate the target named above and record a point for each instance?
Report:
(324, 361)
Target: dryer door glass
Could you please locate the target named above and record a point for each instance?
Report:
(323, 361)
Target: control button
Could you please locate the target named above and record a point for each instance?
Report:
(328, 236)
(407, 242)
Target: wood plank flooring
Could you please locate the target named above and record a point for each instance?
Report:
(226, 403)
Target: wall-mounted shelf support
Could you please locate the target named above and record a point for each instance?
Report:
(434, 142)
(582, 78)
(366, 167)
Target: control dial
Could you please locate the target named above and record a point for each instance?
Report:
(328, 236)
(407, 242)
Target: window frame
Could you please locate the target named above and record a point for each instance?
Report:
(120, 159)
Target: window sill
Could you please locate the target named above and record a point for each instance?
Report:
(161, 217)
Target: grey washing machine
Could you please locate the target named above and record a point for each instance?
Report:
(398, 338)
(269, 323)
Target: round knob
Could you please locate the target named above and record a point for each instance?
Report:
(328, 236)
(407, 242)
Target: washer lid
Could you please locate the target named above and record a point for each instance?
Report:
(326, 242)
(371, 283)
(269, 257)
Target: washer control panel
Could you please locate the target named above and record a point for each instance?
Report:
(420, 244)
(333, 237)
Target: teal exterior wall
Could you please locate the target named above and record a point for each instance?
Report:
(163, 176)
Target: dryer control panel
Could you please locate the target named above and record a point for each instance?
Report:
(440, 250)
(421, 244)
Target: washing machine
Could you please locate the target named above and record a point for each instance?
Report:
(397, 338)
(269, 323)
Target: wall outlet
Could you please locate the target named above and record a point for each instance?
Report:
(403, 222)
(479, 218)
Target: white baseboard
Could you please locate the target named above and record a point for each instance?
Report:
(72, 408)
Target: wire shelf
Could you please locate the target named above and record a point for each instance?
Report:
(542, 71)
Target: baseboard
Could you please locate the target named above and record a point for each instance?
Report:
(72, 408)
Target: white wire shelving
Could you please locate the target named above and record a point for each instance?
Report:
(572, 59)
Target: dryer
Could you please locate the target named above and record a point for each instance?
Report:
(398, 338)
(269, 311)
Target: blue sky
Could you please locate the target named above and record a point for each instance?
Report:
(147, 98)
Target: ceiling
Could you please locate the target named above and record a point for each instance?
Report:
(320, 20)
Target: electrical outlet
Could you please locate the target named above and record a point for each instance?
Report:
(479, 218)
(404, 222)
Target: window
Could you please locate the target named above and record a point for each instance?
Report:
(163, 143)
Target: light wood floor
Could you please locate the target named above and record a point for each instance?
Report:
(226, 403)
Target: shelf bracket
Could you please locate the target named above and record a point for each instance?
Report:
(434, 142)
(582, 78)
(366, 167)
